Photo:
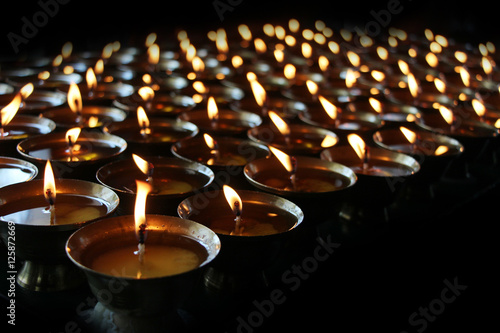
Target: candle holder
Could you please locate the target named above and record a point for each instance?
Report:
(434, 152)
(173, 180)
(302, 140)
(20, 128)
(103, 115)
(140, 303)
(164, 133)
(163, 104)
(243, 258)
(320, 186)
(41, 245)
(226, 160)
(38, 101)
(378, 184)
(229, 123)
(95, 150)
(13, 170)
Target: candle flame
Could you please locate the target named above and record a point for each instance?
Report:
(306, 50)
(72, 135)
(146, 93)
(440, 85)
(323, 63)
(260, 45)
(26, 90)
(409, 134)
(353, 58)
(198, 64)
(378, 75)
(329, 107)
(93, 121)
(464, 75)
(143, 120)
(479, 107)
(143, 190)
(199, 87)
(283, 158)
(329, 141)
(66, 50)
(289, 71)
(245, 32)
(49, 184)
(357, 144)
(259, 93)
(9, 111)
(74, 98)
(150, 39)
(312, 87)
(382, 53)
(209, 141)
(142, 164)
(91, 79)
(461, 56)
(446, 113)
(431, 59)
(375, 104)
(153, 54)
(221, 41)
(99, 67)
(233, 199)
(236, 61)
(441, 150)
(43, 75)
(412, 85)
(350, 78)
(212, 110)
(403, 67)
(279, 123)
(486, 64)
(279, 55)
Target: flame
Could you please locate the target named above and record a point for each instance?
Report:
(312, 87)
(199, 87)
(143, 120)
(323, 63)
(43, 75)
(74, 98)
(412, 85)
(93, 121)
(147, 79)
(143, 190)
(26, 90)
(465, 76)
(209, 141)
(382, 53)
(99, 67)
(441, 150)
(479, 107)
(9, 111)
(146, 93)
(431, 59)
(153, 54)
(306, 50)
(487, 66)
(446, 113)
(236, 61)
(353, 58)
(378, 75)
(260, 45)
(440, 85)
(461, 56)
(259, 93)
(72, 135)
(279, 55)
(141, 163)
(91, 79)
(284, 159)
(233, 199)
(350, 78)
(410, 135)
(221, 41)
(245, 32)
(198, 64)
(212, 110)
(49, 184)
(375, 104)
(57, 60)
(66, 50)
(279, 123)
(403, 67)
(357, 144)
(329, 141)
(150, 39)
(107, 51)
(289, 71)
(293, 25)
(330, 109)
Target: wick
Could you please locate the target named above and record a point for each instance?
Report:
(366, 158)
(151, 169)
(51, 201)
(141, 248)
(293, 172)
(238, 229)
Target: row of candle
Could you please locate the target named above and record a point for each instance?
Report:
(303, 116)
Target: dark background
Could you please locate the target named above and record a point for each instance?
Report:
(92, 23)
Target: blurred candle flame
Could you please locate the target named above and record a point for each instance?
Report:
(26, 90)
(409, 134)
(75, 98)
(358, 145)
(280, 124)
(143, 121)
(212, 110)
(9, 111)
